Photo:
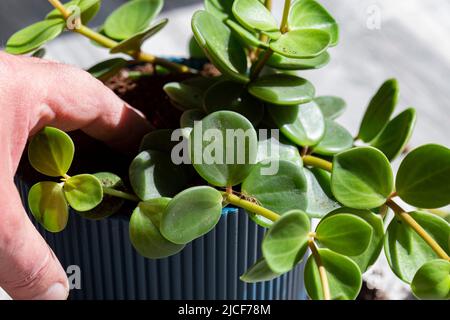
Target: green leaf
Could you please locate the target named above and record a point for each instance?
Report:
(304, 124)
(290, 185)
(223, 148)
(301, 44)
(406, 251)
(191, 214)
(51, 152)
(332, 107)
(221, 9)
(309, 14)
(144, 230)
(361, 178)
(188, 94)
(282, 89)
(34, 36)
(319, 202)
(393, 139)
(232, 96)
(432, 281)
(83, 192)
(345, 234)
(189, 117)
(194, 50)
(253, 15)
(88, 10)
(246, 37)
(284, 63)
(220, 45)
(259, 272)
(274, 149)
(371, 254)
(131, 18)
(423, 177)
(154, 175)
(106, 69)
(39, 53)
(48, 205)
(286, 242)
(110, 205)
(344, 276)
(136, 41)
(335, 140)
(158, 140)
(379, 111)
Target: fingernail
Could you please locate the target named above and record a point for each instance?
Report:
(56, 292)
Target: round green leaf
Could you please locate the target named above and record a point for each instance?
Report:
(51, 152)
(284, 63)
(332, 107)
(379, 111)
(282, 89)
(135, 42)
(319, 203)
(395, 136)
(144, 230)
(87, 9)
(110, 205)
(259, 272)
(345, 234)
(194, 50)
(220, 45)
(191, 214)
(286, 242)
(406, 251)
(189, 117)
(219, 8)
(106, 69)
(247, 37)
(335, 140)
(344, 276)
(232, 96)
(432, 281)
(34, 36)
(253, 15)
(423, 177)
(309, 14)
(301, 44)
(158, 140)
(370, 256)
(188, 94)
(223, 148)
(304, 124)
(131, 18)
(48, 205)
(83, 192)
(273, 149)
(361, 178)
(290, 185)
(154, 175)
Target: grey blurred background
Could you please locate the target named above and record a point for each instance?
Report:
(380, 39)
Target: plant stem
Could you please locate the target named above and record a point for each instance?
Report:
(250, 206)
(284, 22)
(268, 4)
(409, 220)
(322, 271)
(109, 43)
(120, 194)
(260, 63)
(317, 163)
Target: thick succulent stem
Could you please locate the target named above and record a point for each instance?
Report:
(109, 43)
(120, 194)
(322, 271)
(250, 206)
(317, 163)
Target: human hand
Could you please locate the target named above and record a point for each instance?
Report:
(35, 93)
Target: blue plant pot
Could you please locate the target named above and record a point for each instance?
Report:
(208, 268)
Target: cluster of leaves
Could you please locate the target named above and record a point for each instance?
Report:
(259, 89)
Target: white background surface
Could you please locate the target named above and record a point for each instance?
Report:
(413, 45)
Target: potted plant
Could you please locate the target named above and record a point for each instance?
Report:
(178, 185)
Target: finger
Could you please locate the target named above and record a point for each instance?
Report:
(73, 99)
(28, 267)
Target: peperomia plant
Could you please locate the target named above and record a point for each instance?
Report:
(315, 169)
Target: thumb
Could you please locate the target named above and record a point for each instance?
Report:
(28, 267)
